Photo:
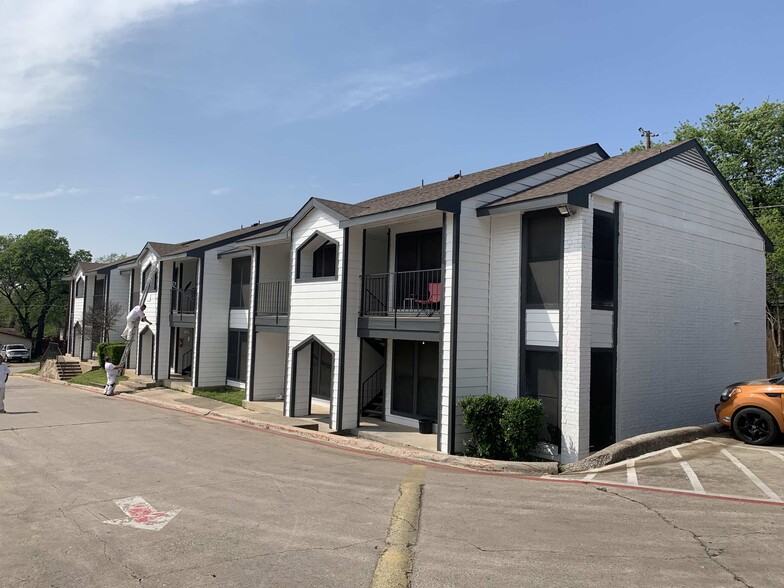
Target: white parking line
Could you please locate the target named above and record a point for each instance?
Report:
(589, 477)
(777, 454)
(759, 483)
(695, 481)
(631, 474)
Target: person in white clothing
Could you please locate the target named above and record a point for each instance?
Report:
(4, 371)
(137, 314)
(112, 373)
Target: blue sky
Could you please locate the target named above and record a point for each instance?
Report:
(123, 121)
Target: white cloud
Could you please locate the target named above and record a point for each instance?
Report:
(46, 46)
(293, 100)
(140, 198)
(58, 192)
(220, 191)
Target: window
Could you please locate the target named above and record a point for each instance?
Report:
(146, 276)
(79, 288)
(544, 235)
(325, 261)
(317, 258)
(320, 372)
(604, 261)
(542, 381)
(236, 365)
(240, 282)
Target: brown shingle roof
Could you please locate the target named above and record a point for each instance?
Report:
(438, 190)
(442, 189)
(584, 176)
(258, 229)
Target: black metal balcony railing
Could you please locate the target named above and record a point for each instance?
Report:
(272, 298)
(183, 301)
(416, 293)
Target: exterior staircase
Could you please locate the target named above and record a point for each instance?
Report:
(68, 368)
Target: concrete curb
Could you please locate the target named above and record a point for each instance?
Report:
(348, 442)
(642, 444)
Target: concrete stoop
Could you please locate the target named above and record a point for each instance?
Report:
(178, 385)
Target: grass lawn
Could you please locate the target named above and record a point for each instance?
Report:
(33, 371)
(229, 395)
(94, 378)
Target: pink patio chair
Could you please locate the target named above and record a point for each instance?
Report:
(430, 304)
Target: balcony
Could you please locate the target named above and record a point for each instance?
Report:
(272, 304)
(401, 301)
(183, 306)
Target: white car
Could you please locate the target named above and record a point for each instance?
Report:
(15, 352)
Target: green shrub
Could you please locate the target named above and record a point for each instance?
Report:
(522, 424)
(482, 417)
(113, 350)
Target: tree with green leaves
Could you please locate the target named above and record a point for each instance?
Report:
(32, 268)
(110, 257)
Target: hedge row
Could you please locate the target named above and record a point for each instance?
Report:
(112, 350)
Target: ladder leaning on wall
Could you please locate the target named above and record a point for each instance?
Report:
(134, 333)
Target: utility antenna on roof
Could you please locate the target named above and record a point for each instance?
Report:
(647, 135)
(423, 183)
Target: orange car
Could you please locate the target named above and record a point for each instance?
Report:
(754, 409)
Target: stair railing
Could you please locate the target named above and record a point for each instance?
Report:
(372, 387)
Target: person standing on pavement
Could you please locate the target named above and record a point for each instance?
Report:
(137, 314)
(4, 371)
(112, 373)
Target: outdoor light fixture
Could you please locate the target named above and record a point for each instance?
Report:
(565, 210)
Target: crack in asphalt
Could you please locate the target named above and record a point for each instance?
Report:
(710, 552)
(102, 541)
(17, 429)
(261, 555)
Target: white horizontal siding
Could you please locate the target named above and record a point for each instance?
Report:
(213, 320)
(239, 319)
(119, 292)
(505, 305)
(315, 306)
(542, 327)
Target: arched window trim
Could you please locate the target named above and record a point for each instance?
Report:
(327, 242)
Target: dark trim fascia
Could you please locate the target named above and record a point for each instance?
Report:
(198, 329)
(199, 251)
(440, 421)
(399, 335)
(768, 243)
(361, 341)
(251, 378)
(70, 316)
(616, 314)
(452, 202)
(84, 314)
(560, 333)
(453, 331)
(523, 281)
(343, 320)
(535, 204)
(157, 340)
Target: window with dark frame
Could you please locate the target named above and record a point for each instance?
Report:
(325, 260)
(240, 283)
(146, 276)
(79, 288)
(542, 381)
(543, 271)
(605, 256)
(236, 366)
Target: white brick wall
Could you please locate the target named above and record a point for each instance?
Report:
(576, 343)
(692, 298)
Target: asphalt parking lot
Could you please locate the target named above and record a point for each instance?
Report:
(716, 466)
